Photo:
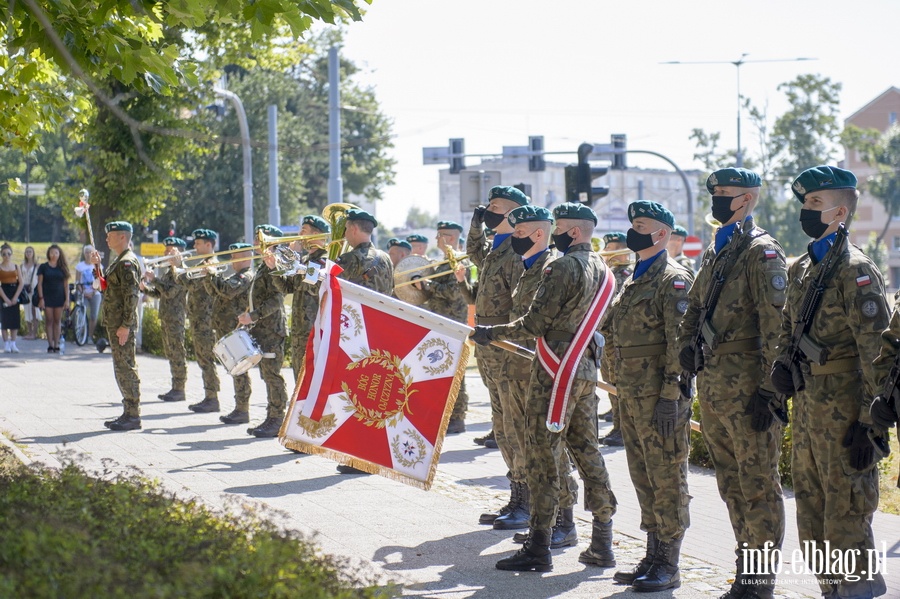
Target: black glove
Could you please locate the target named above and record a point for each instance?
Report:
(482, 335)
(665, 415)
(760, 411)
(782, 379)
(686, 358)
(862, 451)
(478, 216)
(883, 411)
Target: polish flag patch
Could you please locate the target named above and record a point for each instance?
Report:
(771, 254)
(678, 284)
(863, 281)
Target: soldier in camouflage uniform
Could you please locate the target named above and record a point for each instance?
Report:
(200, 305)
(232, 296)
(676, 247)
(641, 353)
(622, 269)
(172, 305)
(446, 298)
(560, 306)
(499, 268)
(738, 346)
(398, 249)
(123, 277)
(418, 244)
(832, 461)
(266, 316)
(305, 303)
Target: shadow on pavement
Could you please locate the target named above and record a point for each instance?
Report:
(462, 456)
(71, 437)
(287, 488)
(218, 444)
(254, 464)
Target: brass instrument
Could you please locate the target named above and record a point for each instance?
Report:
(451, 258)
(199, 271)
(336, 215)
(403, 280)
(611, 253)
(712, 222)
(267, 241)
(153, 262)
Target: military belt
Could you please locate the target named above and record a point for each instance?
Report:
(559, 336)
(734, 347)
(831, 366)
(492, 320)
(640, 351)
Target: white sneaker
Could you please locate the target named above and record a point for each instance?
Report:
(6, 348)
(14, 348)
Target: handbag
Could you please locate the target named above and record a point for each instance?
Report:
(24, 297)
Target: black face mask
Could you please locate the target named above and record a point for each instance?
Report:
(721, 208)
(521, 245)
(811, 222)
(492, 219)
(638, 241)
(563, 241)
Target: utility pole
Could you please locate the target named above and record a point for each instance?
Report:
(274, 206)
(335, 183)
(248, 170)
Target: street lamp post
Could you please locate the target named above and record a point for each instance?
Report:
(248, 171)
(737, 63)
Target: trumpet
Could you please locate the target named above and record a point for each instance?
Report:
(218, 266)
(451, 258)
(152, 262)
(267, 241)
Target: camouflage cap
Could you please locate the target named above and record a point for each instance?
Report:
(119, 225)
(822, 177)
(357, 214)
(615, 237)
(240, 246)
(207, 234)
(449, 224)
(317, 222)
(416, 238)
(529, 214)
(575, 211)
(732, 177)
(394, 242)
(175, 242)
(653, 210)
(270, 230)
(680, 231)
(509, 193)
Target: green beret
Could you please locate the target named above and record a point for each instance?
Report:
(509, 193)
(317, 222)
(207, 234)
(449, 224)
(822, 177)
(575, 211)
(119, 225)
(680, 231)
(240, 246)
(529, 214)
(357, 214)
(175, 241)
(732, 177)
(394, 242)
(657, 212)
(416, 238)
(270, 230)
(615, 237)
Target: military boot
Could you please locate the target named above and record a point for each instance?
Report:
(116, 419)
(613, 439)
(489, 517)
(520, 514)
(173, 395)
(236, 417)
(125, 423)
(564, 533)
(760, 586)
(663, 573)
(600, 552)
(738, 587)
(269, 428)
(209, 404)
(534, 556)
(642, 566)
(481, 440)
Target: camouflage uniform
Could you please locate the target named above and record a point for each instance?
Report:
(232, 294)
(172, 302)
(748, 321)
(447, 299)
(622, 273)
(120, 303)
(835, 501)
(498, 271)
(641, 352)
(369, 267)
(304, 307)
(560, 304)
(200, 305)
(688, 263)
(269, 332)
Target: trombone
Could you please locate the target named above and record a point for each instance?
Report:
(452, 258)
(153, 262)
(267, 241)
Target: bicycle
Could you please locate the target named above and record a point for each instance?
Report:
(75, 317)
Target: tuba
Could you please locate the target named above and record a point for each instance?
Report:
(336, 215)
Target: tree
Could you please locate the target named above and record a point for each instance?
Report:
(417, 218)
(881, 151)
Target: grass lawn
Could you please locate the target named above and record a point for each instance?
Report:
(889, 501)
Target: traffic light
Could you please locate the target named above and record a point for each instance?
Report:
(536, 153)
(580, 178)
(619, 142)
(457, 155)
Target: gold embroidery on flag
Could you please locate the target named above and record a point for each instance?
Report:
(317, 429)
(411, 451)
(441, 356)
(387, 387)
(349, 313)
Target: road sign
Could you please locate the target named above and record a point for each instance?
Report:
(474, 187)
(693, 247)
(436, 155)
(33, 189)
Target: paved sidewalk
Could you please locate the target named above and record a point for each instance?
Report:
(429, 542)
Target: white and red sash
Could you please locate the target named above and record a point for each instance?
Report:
(321, 352)
(563, 370)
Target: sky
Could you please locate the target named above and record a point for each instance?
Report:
(496, 71)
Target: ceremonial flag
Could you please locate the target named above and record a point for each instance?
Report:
(378, 385)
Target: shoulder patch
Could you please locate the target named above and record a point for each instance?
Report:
(627, 272)
(678, 284)
(770, 254)
(548, 270)
(863, 281)
(874, 308)
(778, 282)
(682, 306)
(869, 308)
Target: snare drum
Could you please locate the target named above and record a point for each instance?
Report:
(237, 352)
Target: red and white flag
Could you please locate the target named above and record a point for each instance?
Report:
(378, 385)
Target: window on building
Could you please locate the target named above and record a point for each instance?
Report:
(896, 244)
(895, 277)
(892, 118)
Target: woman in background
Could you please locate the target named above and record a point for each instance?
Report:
(10, 288)
(28, 273)
(53, 293)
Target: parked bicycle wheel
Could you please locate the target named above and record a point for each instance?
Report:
(79, 319)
